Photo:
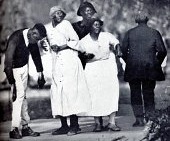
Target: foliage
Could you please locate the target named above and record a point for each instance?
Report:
(158, 126)
(118, 15)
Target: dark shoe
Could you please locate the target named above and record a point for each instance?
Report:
(139, 122)
(14, 134)
(73, 131)
(29, 132)
(61, 131)
(112, 127)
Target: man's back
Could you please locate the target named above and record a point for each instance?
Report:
(144, 52)
(142, 43)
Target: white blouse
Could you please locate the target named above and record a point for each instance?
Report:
(101, 47)
(62, 34)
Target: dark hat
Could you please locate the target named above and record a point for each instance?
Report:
(96, 17)
(84, 5)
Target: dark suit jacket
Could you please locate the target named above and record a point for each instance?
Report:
(143, 51)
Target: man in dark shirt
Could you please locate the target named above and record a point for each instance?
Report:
(143, 51)
(20, 44)
(82, 28)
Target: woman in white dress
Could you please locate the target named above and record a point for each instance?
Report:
(69, 91)
(101, 74)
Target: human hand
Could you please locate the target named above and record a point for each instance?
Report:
(44, 44)
(57, 48)
(118, 51)
(89, 56)
(41, 81)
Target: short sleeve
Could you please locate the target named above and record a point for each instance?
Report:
(112, 39)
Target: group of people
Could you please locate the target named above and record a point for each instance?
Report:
(84, 70)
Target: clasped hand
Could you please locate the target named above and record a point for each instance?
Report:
(57, 48)
(44, 44)
(88, 56)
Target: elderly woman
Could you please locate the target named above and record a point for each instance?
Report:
(101, 74)
(69, 92)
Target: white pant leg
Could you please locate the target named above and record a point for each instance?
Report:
(21, 78)
(25, 118)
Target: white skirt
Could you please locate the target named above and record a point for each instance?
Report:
(103, 86)
(69, 91)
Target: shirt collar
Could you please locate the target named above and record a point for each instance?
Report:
(25, 36)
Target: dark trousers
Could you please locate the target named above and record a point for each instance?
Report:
(73, 121)
(142, 92)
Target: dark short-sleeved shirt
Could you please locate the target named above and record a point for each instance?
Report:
(81, 30)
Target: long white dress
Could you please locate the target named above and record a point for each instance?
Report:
(101, 74)
(69, 91)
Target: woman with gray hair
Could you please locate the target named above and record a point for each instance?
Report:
(69, 92)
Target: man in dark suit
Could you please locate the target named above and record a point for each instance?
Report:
(143, 51)
(20, 44)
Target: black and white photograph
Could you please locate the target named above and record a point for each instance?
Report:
(85, 70)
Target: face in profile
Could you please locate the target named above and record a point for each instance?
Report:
(87, 13)
(58, 16)
(34, 36)
(96, 27)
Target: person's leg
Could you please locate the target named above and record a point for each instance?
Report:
(24, 114)
(101, 121)
(98, 121)
(112, 124)
(63, 121)
(64, 129)
(74, 126)
(26, 130)
(17, 104)
(16, 118)
(136, 101)
(74, 121)
(148, 87)
(25, 119)
(112, 118)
